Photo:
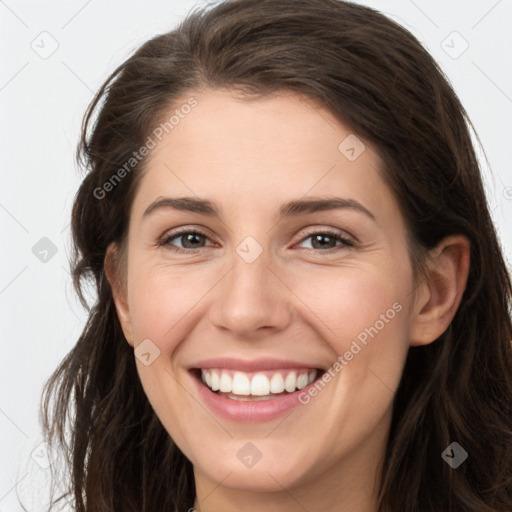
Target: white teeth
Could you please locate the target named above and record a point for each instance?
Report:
(241, 384)
(225, 383)
(290, 382)
(215, 380)
(259, 384)
(277, 383)
(302, 381)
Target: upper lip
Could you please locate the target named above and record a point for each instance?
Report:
(253, 365)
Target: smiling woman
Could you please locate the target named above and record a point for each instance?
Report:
(302, 302)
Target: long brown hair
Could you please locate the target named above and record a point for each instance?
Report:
(378, 80)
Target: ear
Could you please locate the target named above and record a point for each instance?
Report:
(116, 276)
(439, 294)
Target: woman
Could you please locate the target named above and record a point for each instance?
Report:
(302, 301)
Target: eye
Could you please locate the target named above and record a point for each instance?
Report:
(326, 240)
(190, 240)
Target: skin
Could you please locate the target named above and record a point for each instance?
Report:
(295, 301)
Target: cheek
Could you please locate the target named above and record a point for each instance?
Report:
(160, 298)
(348, 301)
(363, 315)
(362, 312)
(161, 301)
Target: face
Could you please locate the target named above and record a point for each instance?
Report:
(300, 313)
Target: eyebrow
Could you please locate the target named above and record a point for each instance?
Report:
(292, 208)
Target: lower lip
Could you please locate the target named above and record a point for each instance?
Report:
(246, 411)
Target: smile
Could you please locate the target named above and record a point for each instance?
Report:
(252, 391)
(250, 386)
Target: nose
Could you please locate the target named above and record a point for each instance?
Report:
(252, 299)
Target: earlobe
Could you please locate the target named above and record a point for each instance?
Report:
(440, 293)
(115, 276)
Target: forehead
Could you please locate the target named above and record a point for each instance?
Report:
(252, 152)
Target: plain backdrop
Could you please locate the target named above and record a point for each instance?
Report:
(55, 55)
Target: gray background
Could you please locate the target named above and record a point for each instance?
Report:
(55, 54)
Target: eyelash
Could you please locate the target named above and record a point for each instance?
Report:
(165, 241)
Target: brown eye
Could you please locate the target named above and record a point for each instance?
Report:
(190, 240)
(325, 240)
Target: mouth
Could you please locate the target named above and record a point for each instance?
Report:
(256, 386)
